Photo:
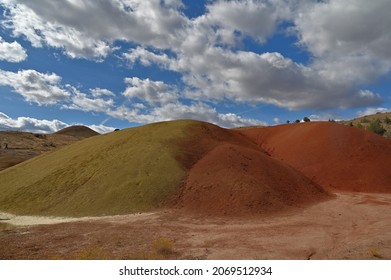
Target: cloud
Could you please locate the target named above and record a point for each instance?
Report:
(162, 103)
(152, 92)
(349, 39)
(97, 92)
(178, 110)
(323, 27)
(42, 126)
(87, 29)
(256, 19)
(346, 56)
(12, 52)
(30, 124)
(372, 111)
(217, 74)
(325, 117)
(35, 87)
(201, 111)
(83, 102)
(102, 129)
(147, 58)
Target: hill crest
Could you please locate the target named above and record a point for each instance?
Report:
(78, 131)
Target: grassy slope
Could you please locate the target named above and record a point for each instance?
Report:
(364, 122)
(122, 172)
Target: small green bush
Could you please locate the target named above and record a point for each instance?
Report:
(376, 127)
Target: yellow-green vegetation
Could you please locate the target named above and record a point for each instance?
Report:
(161, 248)
(126, 171)
(6, 226)
(375, 253)
(379, 123)
(94, 253)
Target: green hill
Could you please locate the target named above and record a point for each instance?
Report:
(121, 172)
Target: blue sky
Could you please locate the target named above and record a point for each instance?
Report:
(121, 63)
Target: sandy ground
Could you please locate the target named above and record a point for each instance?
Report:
(351, 226)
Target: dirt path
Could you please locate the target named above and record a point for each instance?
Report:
(41, 220)
(351, 226)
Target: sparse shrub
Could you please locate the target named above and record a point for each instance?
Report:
(297, 121)
(351, 124)
(306, 119)
(40, 136)
(6, 226)
(163, 246)
(376, 127)
(374, 252)
(360, 126)
(49, 144)
(387, 120)
(94, 253)
(365, 120)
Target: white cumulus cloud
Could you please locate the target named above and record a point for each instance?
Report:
(30, 124)
(42, 126)
(152, 92)
(36, 87)
(12, 52)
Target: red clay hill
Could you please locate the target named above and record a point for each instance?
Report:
(333, 155)
(230, 175)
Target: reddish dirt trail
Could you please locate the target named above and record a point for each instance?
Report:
(352, 226)
(333, 155)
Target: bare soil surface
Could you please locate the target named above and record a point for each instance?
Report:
(350, 226)
(22, 146)
(235, 180)
(335, 156)
(17, 146)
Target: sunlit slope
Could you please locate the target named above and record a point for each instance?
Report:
(122, 172)
(195, 166)
(332, 155)
(78, 131)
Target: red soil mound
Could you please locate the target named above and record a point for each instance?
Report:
(234, 177)
(332, 155)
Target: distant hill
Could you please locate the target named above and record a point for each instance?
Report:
(78, 131)
(365, 122)
(17, 146)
